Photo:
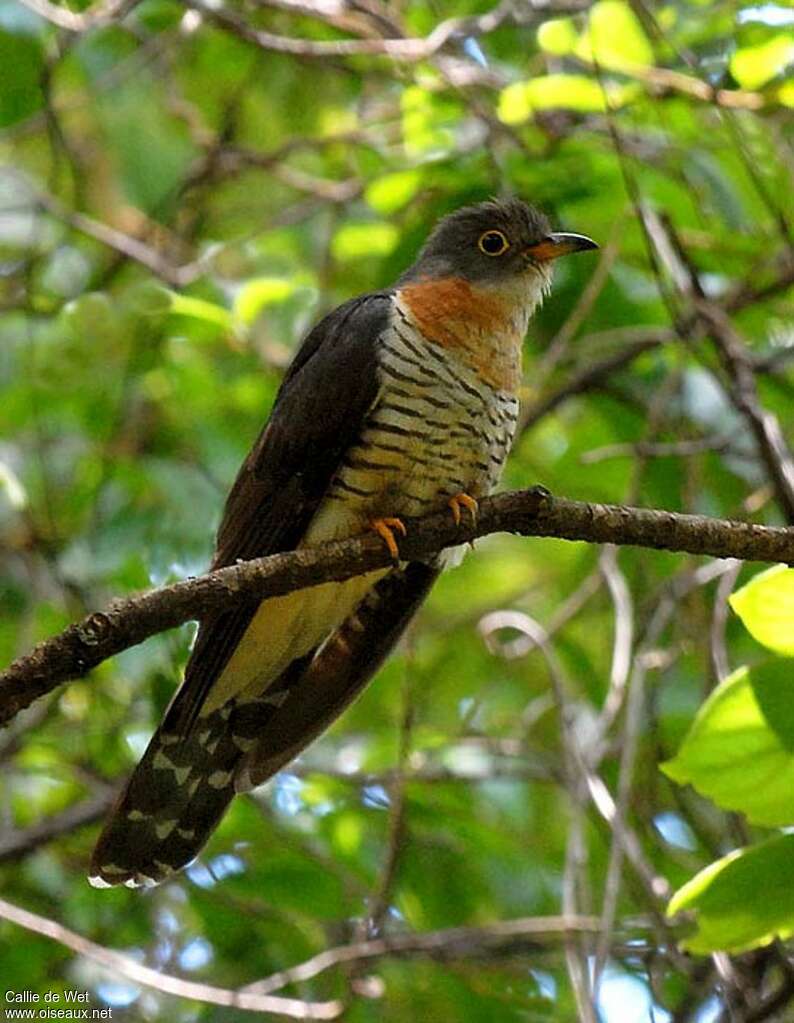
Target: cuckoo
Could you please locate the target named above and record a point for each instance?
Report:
(398, 403)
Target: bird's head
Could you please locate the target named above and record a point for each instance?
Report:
(501, 243)
(478, 279)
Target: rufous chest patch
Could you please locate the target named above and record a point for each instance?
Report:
(480, 327)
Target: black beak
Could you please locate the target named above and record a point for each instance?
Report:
(559, 244)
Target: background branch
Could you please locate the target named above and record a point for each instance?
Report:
(120, 965)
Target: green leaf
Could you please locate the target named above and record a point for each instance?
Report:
(392, 191)
(773, 687)
(614, 37)
(742, 901)
(557, 36)
(152, 147)
(354, 241)
(263, 291)
(754, 66)
(785, 94)
(21, 68)
(200, 309)
(739, 750)
(518, 101)
(766, 607)
(427, 121)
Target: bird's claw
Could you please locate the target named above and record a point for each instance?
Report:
(466, 501)
(385, 529)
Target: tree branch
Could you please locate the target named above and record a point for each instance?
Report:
(122, 965)
(16, 844)
(95, 16)
(521, 936)
(409, 50)
(743, 391)
(124, 623)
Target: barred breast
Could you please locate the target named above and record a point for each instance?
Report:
(436, 429)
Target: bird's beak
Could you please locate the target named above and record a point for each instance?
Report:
(559, 244)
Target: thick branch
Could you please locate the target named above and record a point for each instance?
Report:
(84, 645)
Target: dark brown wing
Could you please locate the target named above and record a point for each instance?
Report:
(323, 400)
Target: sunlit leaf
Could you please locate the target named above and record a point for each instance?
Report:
(614, 37)
(785, 94)
(258, 293)
(427, 121)
(11, 487)
(392, 191)
(518, 101)
(557, 36)
(740, 748)
(354, 241)
(766, 606)
(200, 309)
(347, 832)
(754, 66)
(743, 901)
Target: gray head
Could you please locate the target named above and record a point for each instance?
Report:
(492, 242)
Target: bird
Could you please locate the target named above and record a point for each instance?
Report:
(398, 403)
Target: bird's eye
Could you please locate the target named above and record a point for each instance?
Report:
(493, 243)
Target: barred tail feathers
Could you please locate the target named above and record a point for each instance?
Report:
(170, 805)
(178, 793)
(186, 779)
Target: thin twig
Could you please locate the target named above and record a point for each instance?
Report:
(623, 638)
(504, 937)
(408, 50)
(94, 17)
(645, 659)
(178, 276)
(720, 664)
(661, 449)
(15, 844)
(772, 446)
(593, 376)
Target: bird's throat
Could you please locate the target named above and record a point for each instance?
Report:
(483, 326)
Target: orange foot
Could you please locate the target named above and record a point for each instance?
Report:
(466, 501)
(385, 529)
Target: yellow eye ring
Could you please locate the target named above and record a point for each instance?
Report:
(493, 243)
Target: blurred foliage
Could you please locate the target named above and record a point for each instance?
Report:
(177, 206)
(739, 752)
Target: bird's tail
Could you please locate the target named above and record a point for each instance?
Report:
(187, 777)
(176, 796)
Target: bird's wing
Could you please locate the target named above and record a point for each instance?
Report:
(186, 777)
(181, 789)
(337, 674)
(318, 412)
